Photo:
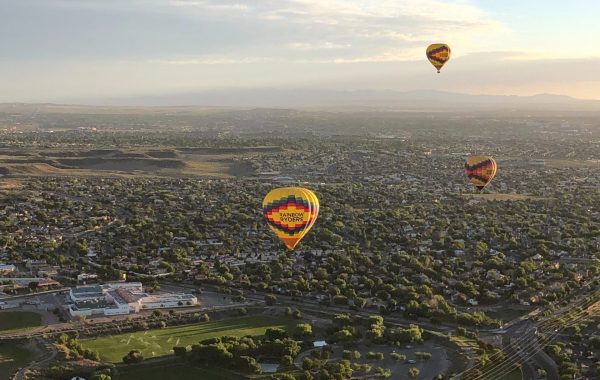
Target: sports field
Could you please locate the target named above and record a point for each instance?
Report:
(17, 320)
(154, 343)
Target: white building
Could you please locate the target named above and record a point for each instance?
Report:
(121, 298)
(86, 277)
(161, 301)
(86, 293)
(131, 286)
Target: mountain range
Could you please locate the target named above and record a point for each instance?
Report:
(418, 100)
(311, 98)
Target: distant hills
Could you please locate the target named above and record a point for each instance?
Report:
(418, 100)
(303, 98)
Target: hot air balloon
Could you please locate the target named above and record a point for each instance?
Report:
(480, 170)
(291, 212)
(438, 55)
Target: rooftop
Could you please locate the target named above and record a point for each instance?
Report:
(80, 290)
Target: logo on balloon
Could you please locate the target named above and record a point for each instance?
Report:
(291, 212)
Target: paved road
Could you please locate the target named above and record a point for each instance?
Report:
(521, 338)
(100, 322)
(29, 295)
(310, 305)
(512, 347)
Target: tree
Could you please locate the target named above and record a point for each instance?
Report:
(303, 330)
(376, 320)
(383, 372)
(423, 355)
(134, 356)
(101, 376)
(179, 351)
(414, 372)
(397, 357)
(343, 336)
(412, 334)
(91, 355)
(273, 333)
(287, 361)
(212, 353)
(308, 363)
(270, 299)
(375, 355)
(342, 320)
(351, 355)
(360, 302)
(247, 364)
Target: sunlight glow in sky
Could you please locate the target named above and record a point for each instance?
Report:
(78, 50)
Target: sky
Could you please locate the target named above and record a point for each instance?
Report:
(82, 51)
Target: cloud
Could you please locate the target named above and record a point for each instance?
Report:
(213, 60)
(209, 5)
(317, 45)
(350, 30)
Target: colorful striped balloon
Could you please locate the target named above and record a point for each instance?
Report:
(291, 212)
(480, 170)
(438, 55)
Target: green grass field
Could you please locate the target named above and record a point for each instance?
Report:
(180, 371)
(17, 320)
(11, 358)
(154, 343)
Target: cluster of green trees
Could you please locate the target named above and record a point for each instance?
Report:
(133, 356)
(68, 371)
(72, 348)
(567, 369)
(241, 353)
(347, 330)
(318, 366)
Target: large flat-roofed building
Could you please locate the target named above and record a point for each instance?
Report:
(86, 293)
(167, 301)
(122, 298)
(131, 286)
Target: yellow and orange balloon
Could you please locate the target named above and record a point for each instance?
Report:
(480, 170)
(438, 55)
(291, 212)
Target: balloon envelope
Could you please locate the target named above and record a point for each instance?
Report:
(438, 55)
(480, 170)
(291, 212)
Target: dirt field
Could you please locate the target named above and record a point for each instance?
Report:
(205, 162)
